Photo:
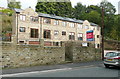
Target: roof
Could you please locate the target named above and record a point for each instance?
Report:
(17, 10)
(57, 17)
(60, 18)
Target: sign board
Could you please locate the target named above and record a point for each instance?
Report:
(90, 36)
(85, 44)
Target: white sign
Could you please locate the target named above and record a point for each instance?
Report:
(85, 44)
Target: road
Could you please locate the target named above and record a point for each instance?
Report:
(82, 71)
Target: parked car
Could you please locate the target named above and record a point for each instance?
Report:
(112, 59)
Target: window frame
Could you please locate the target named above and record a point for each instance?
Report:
(79, 36)
(34, 33)
(64, 23)
(47, 20)
(56, 22)
(48, 34)
(22, 29)
(71, 35)
(22, 17)
(34, 19)
(63, 33)
(56, 32)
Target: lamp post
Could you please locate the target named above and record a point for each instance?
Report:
(102, 30)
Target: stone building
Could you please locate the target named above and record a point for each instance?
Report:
(31, 27)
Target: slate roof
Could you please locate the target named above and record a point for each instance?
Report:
(57, 17)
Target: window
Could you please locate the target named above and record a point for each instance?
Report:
(22, 29)
(64, 23)
(34, 33)
(55, 43)
(80, 26)
(22, 17)
(63, 33)
(86, 27)
(80, 36)
(71, 36)
(97, 45)
(34, 19)
(47, 34)
(98, 28)
(98, 36)
(72, 25)
(56, 32)
(47, 20)
(21, 41)
(56, 22)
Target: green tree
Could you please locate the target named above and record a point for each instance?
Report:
(12, 5)
(63, 9)
(108, 7)
(79, 11)
(109, 12)
(93, 8)
(93, 16)
(7, 11)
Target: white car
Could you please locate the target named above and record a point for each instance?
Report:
(112, 59)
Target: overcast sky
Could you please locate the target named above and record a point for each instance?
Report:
(32, 3)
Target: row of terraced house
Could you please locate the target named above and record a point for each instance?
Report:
(30, 27)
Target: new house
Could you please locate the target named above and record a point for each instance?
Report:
(30, 27)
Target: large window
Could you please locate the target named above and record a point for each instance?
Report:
(34, 19)
(34, 33)
(56, 22)
(47, 34)
(80, 36)
(22, 17)
(71, 36)
(47, 20)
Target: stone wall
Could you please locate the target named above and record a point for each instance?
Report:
(111, 45)
(76, 52)
(30, 55)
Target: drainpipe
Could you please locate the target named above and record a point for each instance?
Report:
(17, 28)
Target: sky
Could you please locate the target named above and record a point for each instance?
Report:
(32, 3)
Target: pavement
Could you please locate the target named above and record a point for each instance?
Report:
(51, 67)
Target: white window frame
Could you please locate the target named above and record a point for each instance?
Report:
(22, 17)
(56, 32)
(80, 26)
(64, 23)
(72, 25)
(86, 27)
(56, 22)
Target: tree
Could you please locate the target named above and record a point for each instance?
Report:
(79, 11)
(108, 7)
(109, 21)
(12, 5)
(93, 8)
(63, 9)
(7, 11)
(93, 16)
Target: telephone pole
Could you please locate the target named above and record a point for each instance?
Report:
(102, 33)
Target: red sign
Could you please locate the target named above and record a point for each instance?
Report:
(89, 35)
